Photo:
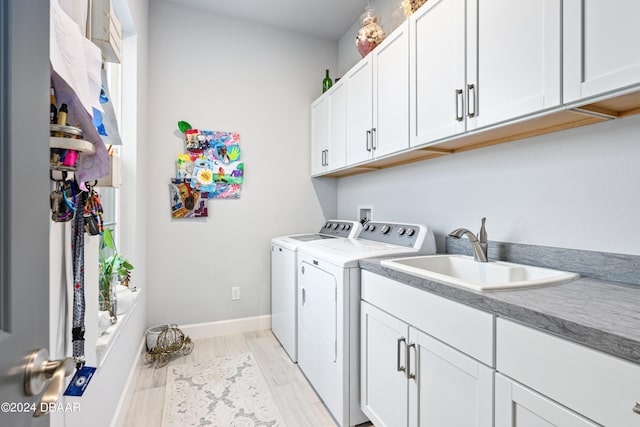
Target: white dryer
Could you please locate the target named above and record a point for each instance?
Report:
(284, 294)
(329, 309)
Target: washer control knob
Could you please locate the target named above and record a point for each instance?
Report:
(327, 225)
(348, 227)
(343, 227)
(335, 226)
(401, 231)
(411, 232)
(385, 229)
(372, 227)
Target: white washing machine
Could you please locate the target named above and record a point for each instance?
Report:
(284, 294)
(329, 309)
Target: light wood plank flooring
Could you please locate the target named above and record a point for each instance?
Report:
(297, 401)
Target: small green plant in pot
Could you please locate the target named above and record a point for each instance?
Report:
(113, 268)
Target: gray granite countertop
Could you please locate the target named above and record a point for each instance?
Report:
(599, 314)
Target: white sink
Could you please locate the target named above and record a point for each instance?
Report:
(464, 271)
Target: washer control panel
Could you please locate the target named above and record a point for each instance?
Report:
(336, 228)
(392, 233)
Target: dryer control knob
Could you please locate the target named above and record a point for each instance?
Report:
(411, 232)
(372, 227)
(343, 227)
(348, 226)
(401, 231)
(335, 226)
(385, 229)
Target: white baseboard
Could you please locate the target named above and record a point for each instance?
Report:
(226, 327)
(129, 387)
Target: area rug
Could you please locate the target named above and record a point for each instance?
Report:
(225, 392)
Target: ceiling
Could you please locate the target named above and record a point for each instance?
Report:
(322, 18)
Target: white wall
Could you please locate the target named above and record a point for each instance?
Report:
(574, 189)
(220, 73)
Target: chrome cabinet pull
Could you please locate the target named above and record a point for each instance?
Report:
(323, 162)
(373, 138)
(471, 104)
(459, 105)
(636, 408)
(326, 157)
(304, 296)
(369, 140)
(411, 376)
(399, 367)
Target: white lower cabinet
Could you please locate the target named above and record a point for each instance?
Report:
(575, 381)
(518, 406)
(409, 378)
(450, 388)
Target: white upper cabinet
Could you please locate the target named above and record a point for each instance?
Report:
(329, 130)
(475, 64)
(378, 100)
(337, 143)
(391, 93)
(319, 135)
(515, 46)
(359, 82)
(601, 52)
(437, 67)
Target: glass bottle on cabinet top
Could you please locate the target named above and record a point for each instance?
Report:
(326, 83)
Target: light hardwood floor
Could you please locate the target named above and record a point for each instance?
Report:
(297, 401)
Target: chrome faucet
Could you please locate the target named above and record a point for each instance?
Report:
(479, 244)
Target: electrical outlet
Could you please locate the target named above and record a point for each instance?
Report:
(235, 293)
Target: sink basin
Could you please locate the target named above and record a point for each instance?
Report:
(463, 271)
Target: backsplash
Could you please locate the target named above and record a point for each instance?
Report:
(599, 265)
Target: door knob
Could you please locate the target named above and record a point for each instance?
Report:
(40, 371)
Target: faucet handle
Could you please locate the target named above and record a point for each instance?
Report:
(482, 234)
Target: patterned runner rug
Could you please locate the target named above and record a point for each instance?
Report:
(225, 392)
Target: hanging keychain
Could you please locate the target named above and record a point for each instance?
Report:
(61, 211)
(93, 223)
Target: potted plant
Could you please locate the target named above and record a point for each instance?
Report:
(113, 268)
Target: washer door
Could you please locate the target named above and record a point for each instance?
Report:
(318, 312)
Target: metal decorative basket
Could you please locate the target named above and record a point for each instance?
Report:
(171, 341)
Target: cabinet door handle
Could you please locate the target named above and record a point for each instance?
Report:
(411, 376)
(369, 140)
(326, 157)
(304, 296)
(471, 103)
(459, 105)
(323, 163)
(399, 367)
(636, 408)
(373, 139)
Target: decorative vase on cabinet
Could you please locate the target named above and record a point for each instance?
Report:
(370, 33)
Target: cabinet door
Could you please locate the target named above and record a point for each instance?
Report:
(360, 111)
(437, 70)
(518, 406)
(383, 390)
(337, 140)
(513, 59)
(319, 134)
(391, 93)
(450, 388)
(600, 47)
